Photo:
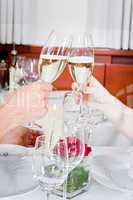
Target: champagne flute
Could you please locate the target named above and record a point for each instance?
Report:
(52, 61)
(81, 65)
(81, 60)
(53, 57)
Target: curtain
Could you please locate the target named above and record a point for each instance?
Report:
(17, 20)
(111, 23)
(64, 16)
(29, 21)
(6, 18)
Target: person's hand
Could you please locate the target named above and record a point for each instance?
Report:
(21, 136)
(97, 97)
(28, 102)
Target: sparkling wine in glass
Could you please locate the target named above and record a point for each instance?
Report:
(81, 60)
(51, 67)
(81, 63)
(53, 57)
(52, 61)
(81, 68)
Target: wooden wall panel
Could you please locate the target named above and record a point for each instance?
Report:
(114, 71)
(102, 59)
(99, 72)
(64, 82)
(119, 81)
(101, 55)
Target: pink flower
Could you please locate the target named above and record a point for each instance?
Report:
(74, 147)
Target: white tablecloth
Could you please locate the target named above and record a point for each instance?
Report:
(95, 192)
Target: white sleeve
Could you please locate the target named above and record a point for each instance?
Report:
(126, 123)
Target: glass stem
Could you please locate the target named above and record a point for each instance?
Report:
(65, 190)
(81, 104)
(47, 195)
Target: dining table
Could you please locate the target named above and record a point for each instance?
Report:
(105, 140)
(96, 190)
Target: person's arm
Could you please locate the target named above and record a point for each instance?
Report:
(24, 105)
(96, 96)
(8, 119)
(126, 123)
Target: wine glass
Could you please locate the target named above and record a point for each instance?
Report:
(81, 65)
(31, 70)
(76, 150)
(49, 164)
(54, 56)
(74, 128)
(53, 59)
(53, 160)
(81, 60)
(26, 70)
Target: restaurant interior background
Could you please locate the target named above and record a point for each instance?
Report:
(27, 23)
(24, 28)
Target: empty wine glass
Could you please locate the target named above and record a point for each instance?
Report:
(26, 70)
(74, 129)
(52, 161)
(49, 163)
(31, 70)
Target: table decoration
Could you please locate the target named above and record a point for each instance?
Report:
(52, 163)
(78, 179)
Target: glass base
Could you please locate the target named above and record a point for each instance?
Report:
(73, 194)
(78, 181)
